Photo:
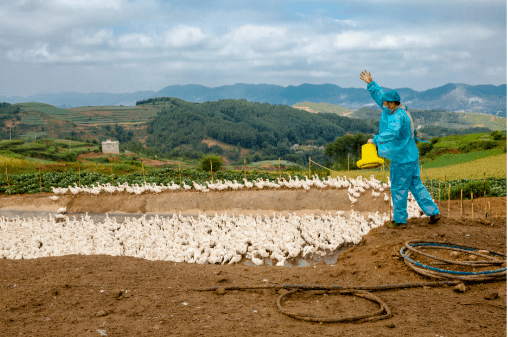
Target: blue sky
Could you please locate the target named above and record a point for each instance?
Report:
(129, 45)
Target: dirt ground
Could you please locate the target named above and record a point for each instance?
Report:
(262, 202)
(123, 296)
(90, 155)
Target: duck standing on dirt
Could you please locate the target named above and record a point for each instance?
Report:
(396, 141)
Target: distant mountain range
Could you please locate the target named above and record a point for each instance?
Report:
(487, 99)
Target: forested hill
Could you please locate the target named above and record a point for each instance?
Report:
(249, 125)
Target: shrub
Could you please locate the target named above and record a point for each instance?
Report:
(133, 163)
(497, 135)
(321, 173)
(424, 148)
(473, 186)
(124, 169)
(99, 160)
(478, 145)
(216, 160)
(65, 156)
(7, 153)
(434, 140)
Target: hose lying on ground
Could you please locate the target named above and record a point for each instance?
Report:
(487, 275)
(361, 291)
(406, 252)
(383, 312)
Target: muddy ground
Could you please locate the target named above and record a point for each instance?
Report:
(262, 202)
(124, 296)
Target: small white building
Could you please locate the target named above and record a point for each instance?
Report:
(295, 147)
(110, 146)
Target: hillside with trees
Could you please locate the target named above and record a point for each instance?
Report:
(255, 126)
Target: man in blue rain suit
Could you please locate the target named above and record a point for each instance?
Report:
(396, 141)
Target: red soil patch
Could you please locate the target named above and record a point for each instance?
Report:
(226, 161)
(58, 167)
(212, 142)
(305, 108)
(90, 155)
(268, 167)
(11, 123)
(154, 162)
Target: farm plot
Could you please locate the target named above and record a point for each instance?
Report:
(111, 114)
(93, 295)
(44, 108)
(221, 239)
(216, 239)
(89, 115)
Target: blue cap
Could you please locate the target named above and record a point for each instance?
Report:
(390, 96)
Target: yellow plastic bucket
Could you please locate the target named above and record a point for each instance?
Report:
(369, 159)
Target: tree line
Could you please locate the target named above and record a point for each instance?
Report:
(268, 131)
(245, 123)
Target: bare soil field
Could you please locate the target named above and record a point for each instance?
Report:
(90, 155)
(101, 295)
(212, 142)
(155, 162)
(305, 108)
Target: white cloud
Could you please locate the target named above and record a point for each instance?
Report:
(184, 37)
(249, 39)
(135, 40)
(41, 53)
(58, 17)
(101, 37)
(88, 4)
(175, 42)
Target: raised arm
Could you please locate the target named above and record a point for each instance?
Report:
(365, 75)
(375, 90)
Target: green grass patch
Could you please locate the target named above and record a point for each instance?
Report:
(452, 159)
(47, 109)
(10, 154)
(275, 163)
(325, 107)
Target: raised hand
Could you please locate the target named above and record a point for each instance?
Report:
(365, 75)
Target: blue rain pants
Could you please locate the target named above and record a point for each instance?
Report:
(405, 177)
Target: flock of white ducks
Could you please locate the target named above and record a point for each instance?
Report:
(355, 186)
(358, 184)
(219, 239)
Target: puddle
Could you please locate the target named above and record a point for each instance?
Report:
(330, 258)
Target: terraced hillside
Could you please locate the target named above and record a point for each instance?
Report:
(93, 115)
(36, 120)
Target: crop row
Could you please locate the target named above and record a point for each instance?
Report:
(33, 182)
(491, 187)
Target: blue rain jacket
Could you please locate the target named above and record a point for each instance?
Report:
(395, 139)
(406, 177)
